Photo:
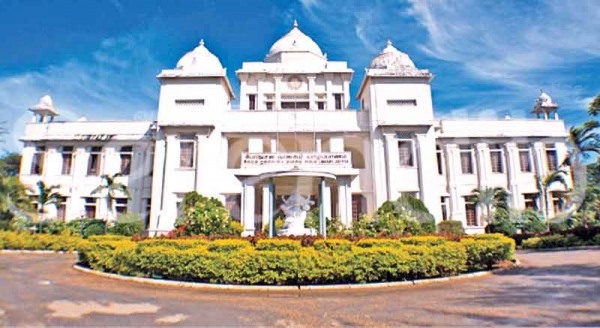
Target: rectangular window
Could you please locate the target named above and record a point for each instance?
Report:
(233, 203)
(294, 105)
(269, 105)
(440, 159)
(557, 203)
(338, 101)
(405, 153)
(121, 205)
(466, 159)
(147, 208)
(61, 209)
(551, 157)
(444, 202)
(126, 155)
(531, 201)
(357, 206)
(525, 159)
(320, 105)
(252, 102)
(37, 163)
(67, 160)
(496, 159)
(402, 102)
(89, 207)
(471, 213)
(189, 102)
(186, 152)
(94, 161)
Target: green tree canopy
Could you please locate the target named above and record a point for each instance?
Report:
(9, 164)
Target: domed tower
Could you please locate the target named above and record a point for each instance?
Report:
(545, 108)
(44, 111)
(295, 46)
(394, 90)
(196, 87)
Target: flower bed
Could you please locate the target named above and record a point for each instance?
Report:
(287, 262)
(277, 261)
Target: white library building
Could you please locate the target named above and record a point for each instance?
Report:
(293, 134)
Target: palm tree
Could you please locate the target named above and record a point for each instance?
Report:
(544, 185)
(44, 196)
(109, 184)
(490, 197)
(583, 141)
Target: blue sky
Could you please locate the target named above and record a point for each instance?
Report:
(99, 59)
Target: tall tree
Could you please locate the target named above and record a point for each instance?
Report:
(109, 185)
(583, 141)
(490, 198)
(594, 108)
(44, 196)
(544, 184)
(9, 164)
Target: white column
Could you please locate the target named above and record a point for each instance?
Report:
(273, 145)
(328, 88)
(346, 101)
(391, 158)
(255, 145)
(26, 158)
(453, 169)
(344, 201)
(482, 155)
(168, 211)
(311, 92)
(318, 144)
(248, 209)
(513, 166)
(336, 144)
(428, 181)
(327, 200)
(277, 104)
(539, 157)
(244, 105)
(266, 202)
(157, 182)
(201, 170)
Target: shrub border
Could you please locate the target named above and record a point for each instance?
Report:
(558, 249)
(208, 286)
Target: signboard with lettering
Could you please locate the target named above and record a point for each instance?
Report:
(290, 160)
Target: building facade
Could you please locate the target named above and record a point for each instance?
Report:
(293, 132)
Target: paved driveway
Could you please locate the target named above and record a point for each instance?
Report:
(551, 288)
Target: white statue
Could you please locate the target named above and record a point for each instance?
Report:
(295, 208)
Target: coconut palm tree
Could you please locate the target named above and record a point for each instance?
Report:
(544, 185)
(108, 183)
(44, 196)
(490, 197)
(583, 141)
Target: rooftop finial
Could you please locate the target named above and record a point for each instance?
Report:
(295, 23)
(389, 42)
(202, 42)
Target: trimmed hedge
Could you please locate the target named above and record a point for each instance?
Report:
(28, 241)
(558, 241)
(277, 261)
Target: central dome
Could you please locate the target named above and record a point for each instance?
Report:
(293, 41)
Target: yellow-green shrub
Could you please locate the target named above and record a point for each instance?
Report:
(176, 243)
(278, 245)
(228, 245)
(423, 240)
(484, 253)
(372, 242)
(336, 245)
(28, 241)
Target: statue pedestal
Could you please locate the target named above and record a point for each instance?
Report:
(297, 232)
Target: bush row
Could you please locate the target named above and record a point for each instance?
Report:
(558, 240)
(28, 241)
(287, 262)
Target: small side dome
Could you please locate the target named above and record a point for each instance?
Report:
(44, 105)
(544, 100)
(391, 58)
(294, 41)
(200, 60)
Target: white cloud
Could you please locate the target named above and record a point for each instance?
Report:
(117, 81)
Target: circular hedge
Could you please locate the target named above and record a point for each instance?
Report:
(287, 262)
